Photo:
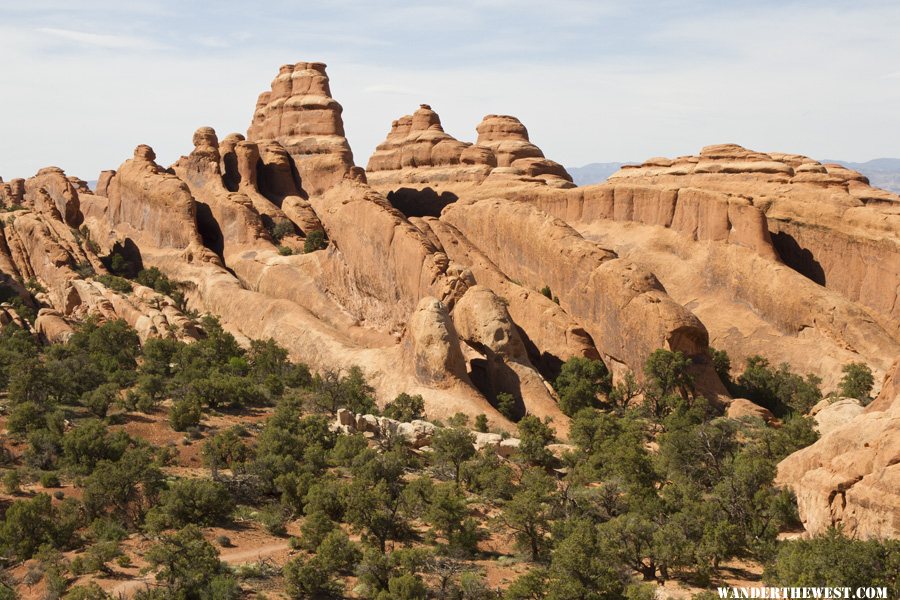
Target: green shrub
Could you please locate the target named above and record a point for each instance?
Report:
(191, 501)
(833, 560)
(184, 414)
(310, 578)
(481, 423)
(99, 400)
(506, 405)
(315, 240)
(281, 228)
(534, 435)
(49, 480)
(580, 382)
(188, 566)
(779, 390)
(115, 283)
(315, 527)
(857, 381)
(272, 517)
(12, 481)
(405, 408)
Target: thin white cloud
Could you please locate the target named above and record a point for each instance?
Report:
(211, 41)
(102, 40)
(387, 88)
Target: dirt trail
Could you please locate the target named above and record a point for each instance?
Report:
(127, 588)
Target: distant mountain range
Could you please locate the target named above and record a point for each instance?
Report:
(593, 173)
(883, 173)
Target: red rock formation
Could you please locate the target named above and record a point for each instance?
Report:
(12, 193)
(39, 245)
(51, 191)
(419, 153)
(825, 221)
(851, 476)
(301, 115)
(625, 309)
(419, 141)
(508, 139)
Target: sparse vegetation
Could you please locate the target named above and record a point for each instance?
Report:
(280, 229)
(622, 510)
(315, 240)
(857, 382)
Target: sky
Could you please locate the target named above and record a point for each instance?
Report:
(83, 82)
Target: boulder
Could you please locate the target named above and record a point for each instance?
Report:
(741, 408)
(831, 414)
(851, 475)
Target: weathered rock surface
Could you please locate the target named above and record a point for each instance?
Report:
(825, 221)
(851, 475)
(419, 157)
(741, 408)
(430, 281)
(623, 308)
(39, 245)
(301, 115)
(50, 191)
(830, 414)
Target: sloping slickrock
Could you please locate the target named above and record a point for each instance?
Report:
(51, 191)
(623, 308)
(550, 335)
(156, 207)
(483, 322)
(833, 413)
(740, 408)
(283, 297)
(37, 245)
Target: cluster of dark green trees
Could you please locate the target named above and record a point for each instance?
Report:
(662, 488)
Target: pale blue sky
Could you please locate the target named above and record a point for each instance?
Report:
(84, 82)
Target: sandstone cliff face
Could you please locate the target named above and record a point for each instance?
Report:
(772, 254)
(397, 320)
(709, 241)
(825, 221)
(51, 191)
(623, 308)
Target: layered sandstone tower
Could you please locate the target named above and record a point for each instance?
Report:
(300, 114)
(418, 151)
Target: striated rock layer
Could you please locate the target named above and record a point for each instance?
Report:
(825, 220)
